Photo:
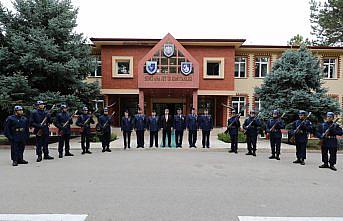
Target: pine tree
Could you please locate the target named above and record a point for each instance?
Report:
(296, 83)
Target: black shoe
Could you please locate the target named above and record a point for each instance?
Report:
(108, 150)
(302, 162)
(83, 152)
(68, 154)
(231, 151)
(332, 167)
(207, 147)
(128, 147)
(60, 155)
(15, 163)
(47, 157)
(236, 152)
(87, 151)
(103, 150)
(272, 157)
(39, 159)
(297, 161)
(249, 153)
(203, 147)
(324, 166)
(277, 158)
(254, 154)
(22, 162)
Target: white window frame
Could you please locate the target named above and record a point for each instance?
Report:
(213, 60)
(239, 63)
(98, 103)
(329, 63)
(260, 63)
(115, 60)
(240, 103)
(95, 73)
(258, 104)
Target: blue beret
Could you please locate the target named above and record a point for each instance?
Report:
(330, 114)
(105, 109)
(85, 108)
(302, 112)
(40, 102)
(17, 108)
(63, 106)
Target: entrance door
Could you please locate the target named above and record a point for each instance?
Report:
(159, 107)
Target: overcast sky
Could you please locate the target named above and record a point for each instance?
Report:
(271, 22)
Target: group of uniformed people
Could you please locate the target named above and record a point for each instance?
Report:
(17, 131)
(167, 123)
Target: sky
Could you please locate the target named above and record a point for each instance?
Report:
(267, 22)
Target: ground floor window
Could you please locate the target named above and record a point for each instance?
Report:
(238, 104)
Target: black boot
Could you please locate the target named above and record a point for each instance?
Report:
(39, 158)
(22, 162)
(103, 149)
(324, 166)
(249, 153)
(277, 157)
(332, 167)
(60, 155)
(15, 163)
(47, 157)
(272, 157)
(87, 151)
(108, 149)
(68, 154)
(297, 161)
(83, 151)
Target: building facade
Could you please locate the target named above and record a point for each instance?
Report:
(200, 73)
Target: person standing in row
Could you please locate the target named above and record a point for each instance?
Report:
(192, 126)
(140, 126)
(166, 125)
(17, 132)
(63, 122)
(126, 128)
(233, 127)
(40, 120)
(206, 125)
(153, 126)
(179, 126)
(327, 133)
(105, 122)
(251, 126)
(301, 136)
(274, 127)
(84, 121)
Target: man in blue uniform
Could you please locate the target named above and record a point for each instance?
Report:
(105, 122)
(17, 132)
(126, 127)
(274, 127)
(327, 133)
(140, 126)
(251, 126)
(206, 125)
(179, 127)
(301, 136)
(84, 121)
(40, 120)
(233, 127)
(192, 126)
(153, 126)
(166, 125)
(63, 122)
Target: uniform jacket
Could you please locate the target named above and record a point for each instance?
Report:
(17, 128)
(61, 119)
(140, 122)
(236, 124)
(192, 122)
(166, 124)
(126, 124)
(179, 122)
(153, 124)
(206, 122)
(105, 119)
(81, 123)
(277, 129)
(37, 117)
(331, 140)
(305, 129)
(253, 129)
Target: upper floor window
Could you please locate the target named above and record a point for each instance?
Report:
(238, 104)
(97, 71)
(329, 65)
(240, 67)
(261, 67)
(122, 67)
(214, 68)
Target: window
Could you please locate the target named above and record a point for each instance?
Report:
(261, 67)
(98, 104)
(214, 68)
(122, 67)
(238, 104)
(240, 67)
(329, 65)
(258, 106)
(97, 71)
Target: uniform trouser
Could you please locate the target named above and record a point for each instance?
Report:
(275, 145)
(127, 138)
(178, 137)
(17, 150)
(153, 137)
(205, 138)
(192, 137)
(166, 133)
(63, 141)
(85, 142)
(140, 138)
(42, 144)
(331, 147)
(301, 149)
(251, 142)
(234, 142)
(105, 140)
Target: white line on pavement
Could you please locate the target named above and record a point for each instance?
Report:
(42, 217)
(260, 218)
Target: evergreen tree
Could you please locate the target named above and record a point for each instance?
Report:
(296, 83)
(327, 22)
(298, 40)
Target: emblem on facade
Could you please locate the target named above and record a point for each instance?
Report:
(186, 68)
(151, 67)
(168, 50)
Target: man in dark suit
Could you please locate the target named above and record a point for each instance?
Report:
(140, 126)
(192, 126)
(179, 126)
(126, 127)
(153, 127)
(166, 125)
(206, 125)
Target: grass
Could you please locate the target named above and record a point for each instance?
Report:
(226, 137)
